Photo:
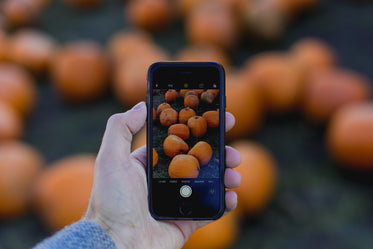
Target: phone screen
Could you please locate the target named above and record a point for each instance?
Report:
(186, 138)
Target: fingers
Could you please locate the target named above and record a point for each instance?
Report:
(229, 121)
(230, 201)
(232, 179)
(232, 157)
(116, 143)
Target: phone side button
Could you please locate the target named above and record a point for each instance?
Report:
(185, 211)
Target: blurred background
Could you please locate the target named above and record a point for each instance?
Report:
(299, 81)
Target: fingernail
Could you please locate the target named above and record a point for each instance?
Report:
(138, 106)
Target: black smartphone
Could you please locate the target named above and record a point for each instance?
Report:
(186, 140)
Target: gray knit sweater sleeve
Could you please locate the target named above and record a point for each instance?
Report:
(80, 235)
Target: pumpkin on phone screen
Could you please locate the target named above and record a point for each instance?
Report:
(168, 117)
(198, 126)
(202, 151)
(183, 166)
(180, 130)
(174, 145)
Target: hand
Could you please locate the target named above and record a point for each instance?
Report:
(119, 201)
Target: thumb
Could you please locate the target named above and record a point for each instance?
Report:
(116, 143)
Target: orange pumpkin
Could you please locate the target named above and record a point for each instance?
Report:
(241, 92)
(21, 13)
(197, 126)
(183, 166)
(208, 97)
(220, 234)
(11, 126)
(173, 145)
(149, 14)
(191, 92)
(350, 136)
(212, 118)
(19, 166)
(155, 157)
(171, 95)
(180, 130)
(258, 177)
(154, 115)
(168, 117)
(198, 91)
(32, 49)
(162, 107)
(17, 89)
(191, 101)
(80, 72)
(183, 92)
(63, 189)
(279, 80)
(214, 91)
(202, 151)
(328, 90)
(313, 54)
(186, 114)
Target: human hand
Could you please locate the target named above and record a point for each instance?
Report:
(119, 202)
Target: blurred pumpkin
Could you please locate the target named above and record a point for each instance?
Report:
(202, 151)
(174, 145)
(130, 76)
(183, 166)
(212, 23)
(328, 90)
(31, 49)
(220, 234)
(17, 89)
(168, 117)
(162, 107)
(311, 54)
(155, 157)
(185, 114)
(151, 15)
(350, 136)
(207, 97)
(197, 126)
(62, 190)
(171, 95)
(19, 166)
(212, 118)
(4, 45)
(80, 72)
(279, 80)
(258, 177)
(191, 101)
(22, 12)
(83, 4)
(11, 126)
(204, 52)
(245, 103)
(180, 130)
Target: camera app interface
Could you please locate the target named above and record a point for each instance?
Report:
(186, 133)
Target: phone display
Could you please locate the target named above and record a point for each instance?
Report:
(186, 123)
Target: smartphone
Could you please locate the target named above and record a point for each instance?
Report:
(186, 140)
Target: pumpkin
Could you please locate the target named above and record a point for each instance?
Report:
(84, 4)
(245, 103)
(313, 54)
(19, 167)
(183, 92)
(80, 72)
(151, 15)
(168, 117)
(62, 191)
(198, 91)
(154, 115)
(258, 177)
(214, 91)
(202, 151)
(31, 49)
(212, 118)
(191, 101)
(161, 107)
(278, 79)
(155, 157)
(17, 89)
(328, 90)
(180, 130)
(173, 145)
(207, 97)
(21, 12)
(126, 44)
(220, 234)
(191, 92)
(186, 114)
(212, 23)
(183, 166)
(197, 126)
(350, 136)
(171, 95)
(11, 126)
